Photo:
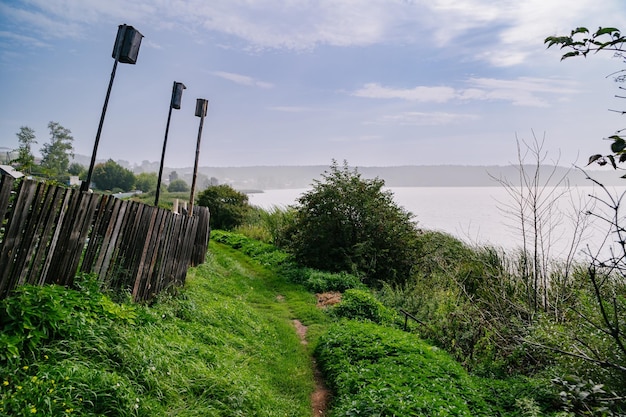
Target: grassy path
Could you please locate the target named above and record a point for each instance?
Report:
(225, 346)
(282, 361)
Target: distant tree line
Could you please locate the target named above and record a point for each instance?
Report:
(108, 176)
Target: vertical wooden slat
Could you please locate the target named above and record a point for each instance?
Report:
(13, 233)
(110, 237)
(139, 277)
(148, 285)
(6, 186)
(101, 222)
(57, 196)
(53, 231)
(30, 235)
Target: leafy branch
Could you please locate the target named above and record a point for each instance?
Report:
(581, 42)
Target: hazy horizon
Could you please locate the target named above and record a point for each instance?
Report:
(377, 83)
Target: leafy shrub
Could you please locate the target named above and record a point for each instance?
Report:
(319, 281)
(178, 185)
(228, 207)
(588, 398)
(380, 371)
(362, 305)
(35, 314)
(375, 370)
(347, 223)
(111, 176)
(264, 253)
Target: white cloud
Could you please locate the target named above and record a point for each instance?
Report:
(523, 91)
(242, 79)
(41, 22)
(503, 33)
(292, 109)
(25, 40)
(427, 118)
(361, 138)
(422, 94)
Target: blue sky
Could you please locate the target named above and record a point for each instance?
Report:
(373, 82)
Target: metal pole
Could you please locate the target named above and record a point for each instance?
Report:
(85, 184)
(167, 128)
(195, 167)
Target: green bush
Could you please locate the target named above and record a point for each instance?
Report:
(319, 281)
(228, 207)
(178, 185)
(362, 305)
(347, 223)
(111, 175)
(380, 371)
(470, 305)
(263, 253)
(36, 314)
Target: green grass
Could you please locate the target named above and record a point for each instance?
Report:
(224, 346)
(376, 370)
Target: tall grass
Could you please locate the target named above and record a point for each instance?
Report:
(224, 346)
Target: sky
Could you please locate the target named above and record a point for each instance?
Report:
(303, 82)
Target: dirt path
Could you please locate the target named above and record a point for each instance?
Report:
(321, 395)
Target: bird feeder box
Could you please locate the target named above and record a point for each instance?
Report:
(177, 95)
(201, 107)
(127, 44)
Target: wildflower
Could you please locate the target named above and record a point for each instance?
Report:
(33, 410)
(45, 357)
(25, 367)
(19, 387)
(5, 383)
(33, 378)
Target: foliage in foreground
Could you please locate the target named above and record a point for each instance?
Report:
(380, 371)
(207, 352)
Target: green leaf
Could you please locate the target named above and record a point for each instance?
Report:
(570, 54)
(580, 30)
(618, 145)
(612, 159)
(594, 158)
(603, 31)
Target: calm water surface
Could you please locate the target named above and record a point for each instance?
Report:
(477, 215)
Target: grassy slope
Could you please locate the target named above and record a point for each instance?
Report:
(225, 347)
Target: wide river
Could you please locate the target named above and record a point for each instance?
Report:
(483, 215)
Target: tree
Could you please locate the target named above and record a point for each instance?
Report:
(146, 181)
(110, 175)
(227, 206)
(347, 223)
(536, 207)
(25, 159)
(56, 154)
(77, 169)
(580, 42)
(178, 186)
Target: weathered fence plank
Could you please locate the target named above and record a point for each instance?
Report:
(52, 232)
(6, 186)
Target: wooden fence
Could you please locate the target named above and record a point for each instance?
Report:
(51, 233)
